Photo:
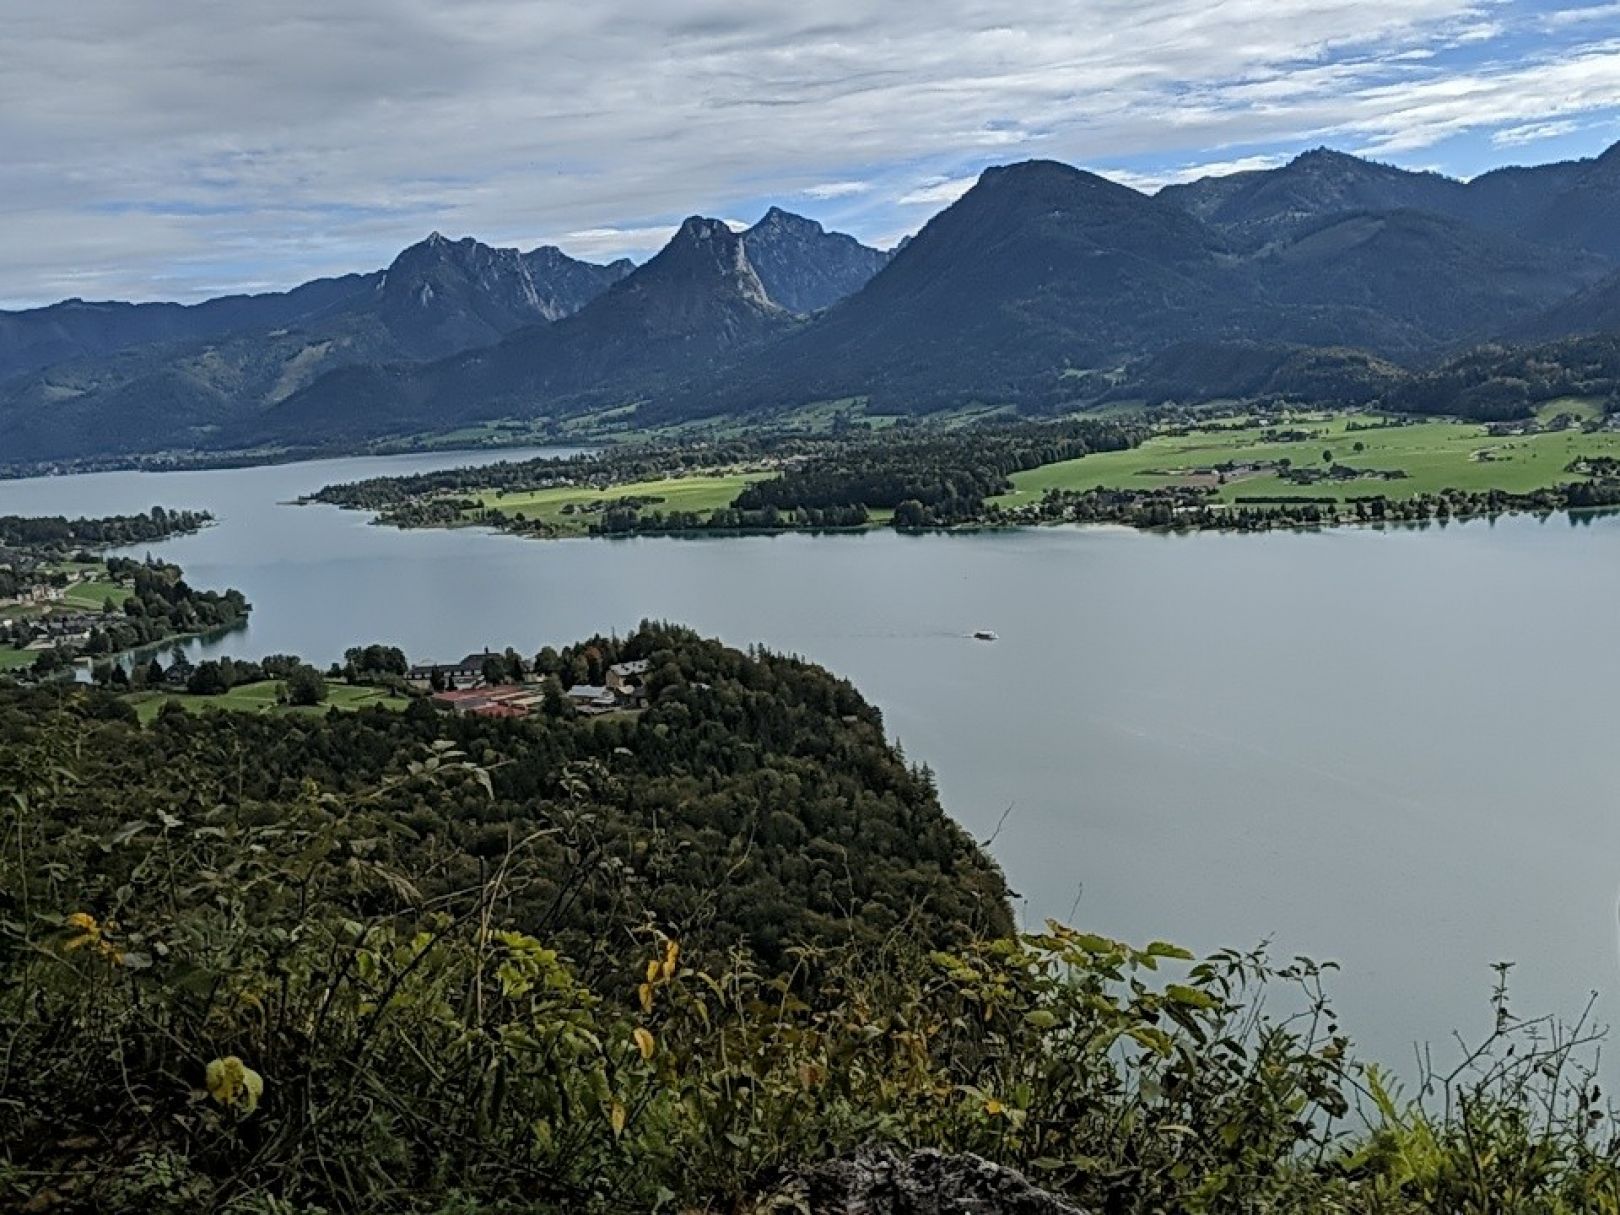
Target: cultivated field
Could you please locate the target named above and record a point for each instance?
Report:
(700, 493)
(1436, 455)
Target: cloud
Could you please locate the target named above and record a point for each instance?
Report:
(837, 189)
(610, 243)
(937, 192)
(165, 147)
(1483, 31)
(1152, 180)
(1514, 136)
(1410, 116)
(1579, 16)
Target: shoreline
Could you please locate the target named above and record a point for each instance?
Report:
(1575, 513)
(164, 462)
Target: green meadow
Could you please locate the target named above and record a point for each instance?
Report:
(701, 493)
(95, 590)
(16, 660)
(261, 697)
(1436, 455)
(90, 596)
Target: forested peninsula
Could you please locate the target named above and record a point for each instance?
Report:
(671, 959)
(1242, 467)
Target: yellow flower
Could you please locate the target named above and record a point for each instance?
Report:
(234, 1084)
(644, 1042)
(93, 934)
(89, 931)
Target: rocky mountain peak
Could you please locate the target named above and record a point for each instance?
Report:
(803, 266)
(777, 220)
(700, 228)
(704, 254)
(1323, 157)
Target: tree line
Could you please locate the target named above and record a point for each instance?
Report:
(1188, 508)
(57, 535)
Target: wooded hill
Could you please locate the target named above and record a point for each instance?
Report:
(409, 962)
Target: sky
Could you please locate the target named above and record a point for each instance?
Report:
(180, 149)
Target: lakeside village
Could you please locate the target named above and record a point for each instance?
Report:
(67, 605)
(89, 610)
(487, 685)
(38, 617)
(63, 600)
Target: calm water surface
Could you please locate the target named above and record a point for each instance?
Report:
(1394, 749)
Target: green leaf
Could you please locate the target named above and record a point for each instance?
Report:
(1191, 997)
(1156, 1040)
(1092, 943)
(1163, 949)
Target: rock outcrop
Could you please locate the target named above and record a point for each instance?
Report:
(880, 1181)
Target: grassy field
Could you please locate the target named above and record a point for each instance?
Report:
(694, 493)
(261, 698)
(89, 596)
(1435, 455)
(16, 660)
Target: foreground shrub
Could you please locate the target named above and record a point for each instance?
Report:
(249, 1008)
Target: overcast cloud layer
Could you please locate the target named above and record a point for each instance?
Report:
(175, 149)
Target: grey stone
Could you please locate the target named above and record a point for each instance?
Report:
(879, 1181)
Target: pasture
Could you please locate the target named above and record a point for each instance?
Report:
(1435, 454)
(700, 492)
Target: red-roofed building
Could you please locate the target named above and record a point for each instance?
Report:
(499, 711)
(507, 701)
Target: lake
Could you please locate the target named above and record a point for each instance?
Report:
(1395, 749)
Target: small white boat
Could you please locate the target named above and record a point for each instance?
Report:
(984, 635)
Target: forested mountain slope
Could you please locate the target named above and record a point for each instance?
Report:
(439, 297)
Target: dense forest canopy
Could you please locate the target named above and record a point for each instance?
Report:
(938, 477)
(412, 962)
(609, 467)
(55, 534)
(1488, 383)
(161, 604)
(764, 769)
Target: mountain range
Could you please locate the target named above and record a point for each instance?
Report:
(1570, 204)
(1042, 286)
(697, 302)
